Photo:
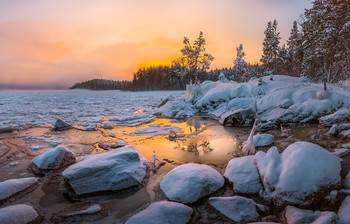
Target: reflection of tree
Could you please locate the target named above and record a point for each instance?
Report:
(196, 147)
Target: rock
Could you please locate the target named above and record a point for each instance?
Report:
(347, 181)
(176, 109)
(334, 130)
(341, 116)
(308, 171)
(237, 208)
(61, 125)
(84, 212)
(243, 174)
(239, 117)
(263, 140)
(189, 182)
(53, 159)
(295, 215)
(344, 211)
(347, 145)
(14, 163)
(166, 99)
(107, 126)
(120, 143)
(4, 129)
(341, 152)
(13, 187)
(345, 133)
(19, 214)
(110, 171)
(162, 212)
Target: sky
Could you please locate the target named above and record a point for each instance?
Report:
(68, 41)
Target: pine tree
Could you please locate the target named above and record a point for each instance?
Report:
(295, 51)
(240, 66)
(271, 46)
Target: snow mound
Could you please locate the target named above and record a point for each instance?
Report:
(263, 140)
(114, 170)
(176, 109)
(12, 187)
(53, 159)
(243, 174)
(344, 211)
(18, 214)
(189, 182)
(162, 212)
(237, 208)
(295, 215)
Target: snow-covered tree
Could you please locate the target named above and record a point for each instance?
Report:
(222, 78)
(294, 51)
(240, 66)
(271, 46)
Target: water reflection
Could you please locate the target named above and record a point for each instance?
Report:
(196, 147)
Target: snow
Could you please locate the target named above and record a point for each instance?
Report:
(162, 212)
(42, 108)
(176, 109)
(243, 174)
(236, 208)
(341, 152)
(262, 140)
(90, 210)
(189, 182)
(347, 145)
(347, 181)
(11, 187)
(18, 214)
(54, 158)
(157, 129)
(344, 211)
(341, 116)
(114, 170)
(295, 215)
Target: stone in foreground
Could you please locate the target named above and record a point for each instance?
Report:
(189, 182)
(243, 174)
(237, 208)
(13, 187)
(84, 212)
(19, 214)
(295, 215)
(52, 159)
(115, 170)
(162, 212)
(61, 125)
(263, 140)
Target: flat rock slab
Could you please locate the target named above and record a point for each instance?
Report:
(237, 208)
(189, 182)
(13, 187)
(243, 174)
(19, 214)
(295, 215)
(111, 171)
(162, 212)
(263, 140)
(83, 212)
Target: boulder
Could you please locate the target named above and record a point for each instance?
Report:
(189, 182)
(295, 215)
(162, 212)
(114, 170)
(61, 125)
(13, 187)
(243, 174)
(263, 140)
(237, 208)
(52, 160)
(239, 117)
(107, 126)
(84, 212)
(344, 211)
(19, 214)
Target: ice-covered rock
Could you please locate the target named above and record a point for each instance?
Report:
(52, 159)
(162, 212)
(78, 213)
(341, 152)
(243, 174)
(295, 215)
(237, 208)
(189, 182)
(344, 211)
(145, 131)
(347, 181)
(134, 120)
(19, 214)
(239, 117)
(107, 126)
(176, 109)
(114, 170)
(61, 125)
(340, 116)
(13, 187)
(167, 99)
(263, 140)
(345, 133)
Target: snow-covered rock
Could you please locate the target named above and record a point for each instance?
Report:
(13, 187)
(132, 120)
(19, 214)
(240, 117)
(344, 211)
(341, 152)
(114, 170)
(52, 159)
(176, 109)
(120, 143)
(189, 182)
(162, 212)
(347, 181)
(167, 99)
(347, 145)
(345, 133)
(243, 174)
(107, 126)
(237, 208)
(78, 213)
(263, 140)
(295, 215)
(340, 116)
(61, 125)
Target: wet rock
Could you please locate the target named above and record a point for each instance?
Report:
(84, 212)
(107, 126)
(19, 214)
(239, 117)
(162, 212)
(237, 208)
(341, 152)
(243, 174)
(13, 187)
(344, 211)
(110, 171)
(189, 182)
(263, 140)
(53, 159)
(61, 125)
(295, 215)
